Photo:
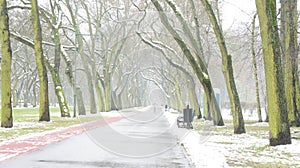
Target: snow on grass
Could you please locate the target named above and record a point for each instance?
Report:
(171, 116)
(210, 146)
(203, 154)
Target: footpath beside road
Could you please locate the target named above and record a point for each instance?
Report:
(32, 142)
(142, 137)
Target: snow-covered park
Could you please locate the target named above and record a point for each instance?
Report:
(210, 146)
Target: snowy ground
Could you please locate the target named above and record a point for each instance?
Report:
(209, 146)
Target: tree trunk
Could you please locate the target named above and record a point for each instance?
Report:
(290, 61)
(255, 71)
(99, 95)
(212, 103)
(193, 98)
(26, 97)
(114, 105)
(207, 112)
(107, 91)
(70, 77)
(15, 97)
(79, 41)
(198, 68)
(277, 108)
(37, 39)
(93, 37)
(81, 107)
(179, 103)
(34, 99)
(238, 121)
(6, 62)
(59, 92)
(90, 83)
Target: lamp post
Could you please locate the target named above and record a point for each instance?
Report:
(75, 57)
(74, 78)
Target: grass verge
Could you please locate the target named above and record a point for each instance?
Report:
(251, 149)
(26, 122)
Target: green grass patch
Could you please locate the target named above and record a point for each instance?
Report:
(26, 121)
(29, 114)
(261, 131)
(226, 143)
(262, 148)
(253, 128)
(250, 149)
(256, 164)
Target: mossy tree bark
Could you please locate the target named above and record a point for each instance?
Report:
(42, 72)
(6, 62)
(276, 100)
(196, 63)
(107, 90)
(59, 92)
(54, 70)
(236, 109)
(255, 70)
(207, 114)
(289, 44)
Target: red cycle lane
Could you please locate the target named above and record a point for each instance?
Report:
(29, 143)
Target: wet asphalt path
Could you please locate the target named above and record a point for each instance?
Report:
(143, 138)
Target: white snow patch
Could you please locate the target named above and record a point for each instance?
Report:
(218, 147)
(171, 116)
(203, 154)
(205, 75)
(111, 114)
(58, 88)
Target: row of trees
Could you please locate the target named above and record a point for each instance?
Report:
(282, 109)
(121, 52)
(98, 46)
